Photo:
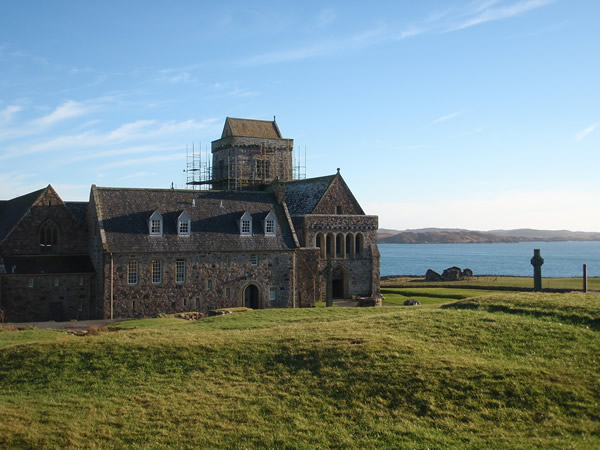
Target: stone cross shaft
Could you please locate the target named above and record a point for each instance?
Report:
(537, 262)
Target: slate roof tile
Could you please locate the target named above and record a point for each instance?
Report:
(124, 214)
(251, 128)
(14, 210)
(302, 196)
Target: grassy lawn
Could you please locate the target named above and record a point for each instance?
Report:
(429, 296)
(510, 370)
(496, 281)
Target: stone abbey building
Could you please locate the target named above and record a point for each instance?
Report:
(258, 239)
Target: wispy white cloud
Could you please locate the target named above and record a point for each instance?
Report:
(143, 134)
(487, 11)
(7, 113)
(449, 20)
(363, 39)
(447, 117)
(146, 161)
(580, 136)
(67, 110)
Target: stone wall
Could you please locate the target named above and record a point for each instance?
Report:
(309, 285)
(246, 159)
(348, 246)
(37, 298)
(213, 280)
(25, 238)
(338, 200)
(96, 252)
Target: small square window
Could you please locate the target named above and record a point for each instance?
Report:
(254, 259)
(270, 227)
(245, 227)
(155, 227)
(184, 227)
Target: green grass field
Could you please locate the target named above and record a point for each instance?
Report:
(504, 370)
(495, 281)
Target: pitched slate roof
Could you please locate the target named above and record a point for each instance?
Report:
(124, 213)
(251, 128)
(302, 196)
(48, 264)
(14, 210)
(78, 209)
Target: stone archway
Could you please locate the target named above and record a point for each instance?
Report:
(252, 297)
(339, 283)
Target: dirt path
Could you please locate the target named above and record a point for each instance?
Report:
(71, 325)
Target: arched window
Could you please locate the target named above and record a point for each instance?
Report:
(319, 242)
(360, 243)
(350, 245)
(48, 236)
(339, 246)
(330, 245)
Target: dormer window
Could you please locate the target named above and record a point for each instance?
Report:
(245, 224)
(183, 224)
(155, 224)
(269, 224)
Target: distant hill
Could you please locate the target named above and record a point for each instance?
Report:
(460, 236)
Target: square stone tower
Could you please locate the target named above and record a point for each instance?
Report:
(250, 153)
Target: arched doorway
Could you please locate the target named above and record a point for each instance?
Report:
(338, 283)
(252, 297)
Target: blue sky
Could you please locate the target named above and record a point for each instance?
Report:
(478, 114)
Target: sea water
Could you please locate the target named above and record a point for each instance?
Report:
(561, 259)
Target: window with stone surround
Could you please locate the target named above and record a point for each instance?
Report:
(273, 294)
(209, 284)
(132, 272)
(48, 236)
(30, 283)
(180, 271)
(254, 259)
(156, 271)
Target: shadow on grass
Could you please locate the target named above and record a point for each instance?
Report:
(571, 318)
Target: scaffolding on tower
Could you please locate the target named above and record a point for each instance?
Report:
(199, 173)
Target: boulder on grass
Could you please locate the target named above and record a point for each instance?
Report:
(432, 275)
(452, 274)
(467, 273)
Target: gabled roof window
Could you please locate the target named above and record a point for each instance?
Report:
(245, 224)
(155, 224)
(184, 224)
(269, 224)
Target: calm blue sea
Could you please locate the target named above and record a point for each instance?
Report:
(561, 259)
